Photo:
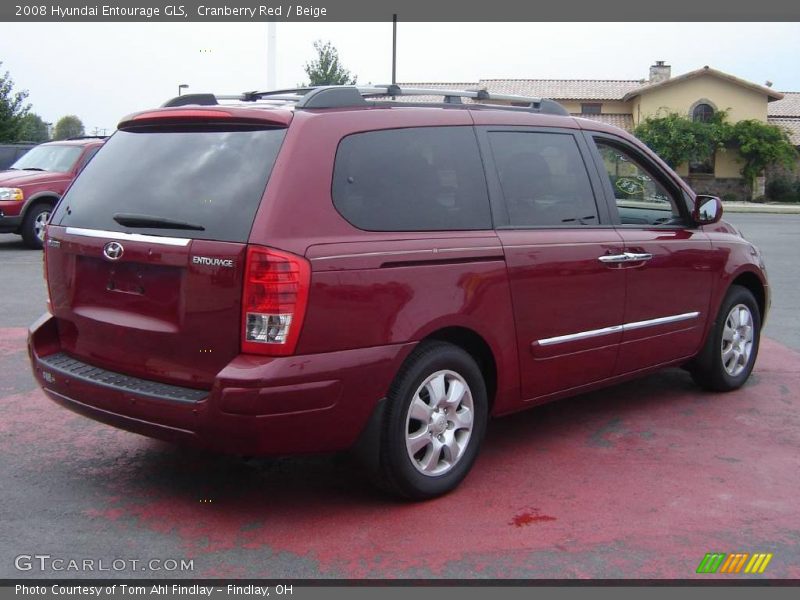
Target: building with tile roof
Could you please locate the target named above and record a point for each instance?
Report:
(627, 102)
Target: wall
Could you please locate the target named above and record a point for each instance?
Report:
(727, 163)
(740, 102)
(729, 189)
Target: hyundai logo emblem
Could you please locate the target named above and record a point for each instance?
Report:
(113, 250)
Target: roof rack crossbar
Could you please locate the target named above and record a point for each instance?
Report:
(343, 96)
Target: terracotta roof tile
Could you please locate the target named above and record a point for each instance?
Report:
(771, 94)
(564, 89)
(623, 121)
(788, 107)
(792, 124)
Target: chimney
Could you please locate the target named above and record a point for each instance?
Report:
(659, 72)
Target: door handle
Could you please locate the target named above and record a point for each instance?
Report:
(625, 257)
(638, 256)
(613, 258)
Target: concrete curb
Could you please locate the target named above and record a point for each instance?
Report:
(752, 207)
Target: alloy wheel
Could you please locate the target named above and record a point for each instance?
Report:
(439, 423)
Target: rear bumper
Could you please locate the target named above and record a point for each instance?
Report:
(256, 406)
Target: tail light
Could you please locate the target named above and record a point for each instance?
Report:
(274, 301)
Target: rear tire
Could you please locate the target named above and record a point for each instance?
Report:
(34, 223)
(434, 422)
(730, 352)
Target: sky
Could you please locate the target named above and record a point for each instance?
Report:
(104, 71)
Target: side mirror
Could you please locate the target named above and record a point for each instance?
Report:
(707, 210)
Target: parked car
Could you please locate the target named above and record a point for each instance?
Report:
(324, 270)
(30, 188)
(10, 153)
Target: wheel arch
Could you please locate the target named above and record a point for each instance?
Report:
(752, 282)
(40, 198)
(477, 347)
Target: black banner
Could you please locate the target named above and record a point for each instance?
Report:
(407, 10)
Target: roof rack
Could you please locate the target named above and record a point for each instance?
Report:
(343, 96)
(87, 137)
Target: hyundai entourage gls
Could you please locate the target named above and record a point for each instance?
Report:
(342, 267)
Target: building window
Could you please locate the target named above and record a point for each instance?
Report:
(702, 112)
(591, 108)
(702, 167)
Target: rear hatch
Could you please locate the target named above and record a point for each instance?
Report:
(146, 251)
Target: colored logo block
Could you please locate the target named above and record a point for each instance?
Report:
(739, 562)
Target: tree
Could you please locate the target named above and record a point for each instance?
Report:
(326, 69)
(67, 127)
(761, 145)
(33, 129)
(678, 139)
(12, 108)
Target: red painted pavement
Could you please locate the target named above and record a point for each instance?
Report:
(640, 480)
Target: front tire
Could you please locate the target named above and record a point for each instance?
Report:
(729, 355)
(434, 422)
(33, 226)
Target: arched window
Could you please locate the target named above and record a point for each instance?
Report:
(702, 112)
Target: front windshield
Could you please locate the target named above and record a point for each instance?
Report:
(49, 158)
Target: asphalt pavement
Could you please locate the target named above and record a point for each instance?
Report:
(778, 237)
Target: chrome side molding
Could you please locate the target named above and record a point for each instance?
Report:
(582, 335)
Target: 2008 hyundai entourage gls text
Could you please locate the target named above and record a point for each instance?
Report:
(347, 267)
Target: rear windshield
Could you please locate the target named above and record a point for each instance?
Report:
(210, 179)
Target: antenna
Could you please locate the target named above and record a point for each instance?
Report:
(271, 58)
(394, 49)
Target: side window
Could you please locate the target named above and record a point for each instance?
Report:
(544, 179)
(412, 179)
(640, 198)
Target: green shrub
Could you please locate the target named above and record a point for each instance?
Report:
(782, 189)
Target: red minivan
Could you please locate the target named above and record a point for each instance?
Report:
(339, 268)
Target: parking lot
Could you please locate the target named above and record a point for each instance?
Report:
(637, 481)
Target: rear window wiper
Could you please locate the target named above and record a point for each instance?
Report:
(132, 220)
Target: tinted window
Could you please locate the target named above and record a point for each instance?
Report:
(49, 158)
(640, 198)
(544, 179)
(416, 179)
(214, 179)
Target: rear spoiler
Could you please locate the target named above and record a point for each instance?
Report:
(207, 114)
